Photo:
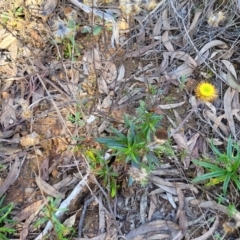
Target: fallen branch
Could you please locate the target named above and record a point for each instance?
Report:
(65, 204)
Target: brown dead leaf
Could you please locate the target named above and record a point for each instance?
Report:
(10, 70)
(152, 227)
(153, 205)
(157, 28)
(171, 106)
(181, 200)
(110, 72)
(182, 70)
(231, 80)
(7, 41)
(161, 181)
(12, 175)
(30, 140)
(192, 28)
(45, 187)
(217, 121)
(208, 204)
(102, 85)
(2, 32)
(184, 57)
(210, 232)
(107, 101)
(166, 42)
(29, 210)
(165, 19)
(13, 49)
(230, 68)
(25, 229)
(8, 116)
(143, 206)
(227, 100)
(200, 58)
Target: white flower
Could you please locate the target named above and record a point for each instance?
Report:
(60, 28)
(139, 175)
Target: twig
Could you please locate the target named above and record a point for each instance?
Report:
(80, 225)
(210, 232)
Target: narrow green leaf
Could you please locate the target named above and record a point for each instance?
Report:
(226, 182)
(236, 180)
(208, 176)
(207, 165)
(229, 148)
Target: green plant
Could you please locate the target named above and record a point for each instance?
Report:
(99, 166)
(49, 215)
(182, 80)
(134, 144)
(70, 48)
(95, 30)
(224, 168)
(4, 219)
(76, 118)
(231, 209)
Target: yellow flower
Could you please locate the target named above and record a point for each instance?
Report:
(206, 92)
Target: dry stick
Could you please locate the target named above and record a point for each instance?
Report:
(185, 120)
(210, 232)
(80, 225)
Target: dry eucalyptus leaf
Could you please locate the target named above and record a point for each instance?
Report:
(30, 140)
(228, 97)
(13, 49)
(110, 72)
(217, 121)
(166, 42)
(231, 80)
(7, 41)
(8, 116)
(69, 222)
(199, 58)
(170, 106)
(12, 175)
(47, 188)
(230, 68)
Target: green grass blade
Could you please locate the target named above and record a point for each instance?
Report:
(207, 165)
(229, 148)
(207, 176)
(236, 181)
(226, 182)
(214, 149)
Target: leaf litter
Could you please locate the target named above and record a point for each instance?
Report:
(51, 105)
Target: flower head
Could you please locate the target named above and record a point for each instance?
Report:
(206, 92)
(138, 175)
(60, 28)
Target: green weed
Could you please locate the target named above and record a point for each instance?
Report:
(4, 219)
(224, 168)
(49, 211)
(99, 167)
(231, 210)
(76, 119)
(134, 144)
(70, 48)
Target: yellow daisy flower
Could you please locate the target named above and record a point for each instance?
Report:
(206, 92)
